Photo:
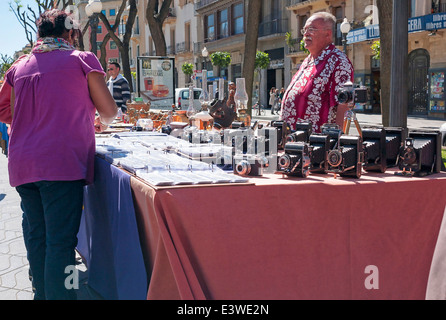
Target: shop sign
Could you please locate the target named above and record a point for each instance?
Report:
(424, 23)
(156, 81)
(276, 64)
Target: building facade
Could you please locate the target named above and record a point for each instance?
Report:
(220, 25)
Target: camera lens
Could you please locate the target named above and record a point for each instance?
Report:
(284, 161)
(290, 138)
(345, 96)
(243, 167)
(334, 158)
(409, 156)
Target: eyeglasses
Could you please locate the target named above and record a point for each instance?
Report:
(110, 69)
(311, 30)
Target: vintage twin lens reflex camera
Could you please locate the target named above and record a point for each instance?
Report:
(346, 158)
(296, 159)
(351, 93)
(249, 164)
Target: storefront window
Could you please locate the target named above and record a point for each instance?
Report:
(437, 95)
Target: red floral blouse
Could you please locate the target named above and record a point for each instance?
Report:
(312, 93)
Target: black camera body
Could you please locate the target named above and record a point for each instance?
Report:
(302, 132)
(421, 154)
(375, 150)
(320, 145)
(346, 158)
(351, 94)
(395, 138)
(283, 130)
(249, 164)
(296, 159)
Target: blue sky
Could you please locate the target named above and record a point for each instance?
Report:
(12, 35)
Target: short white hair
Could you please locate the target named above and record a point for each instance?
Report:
(326, 17)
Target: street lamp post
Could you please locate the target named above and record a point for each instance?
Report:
(345, 29)
(204, 54)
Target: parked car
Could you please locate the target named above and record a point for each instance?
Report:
(182, 98)
(443, 134)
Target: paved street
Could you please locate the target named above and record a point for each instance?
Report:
(14, 281)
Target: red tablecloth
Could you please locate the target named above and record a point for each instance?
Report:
(282, 238)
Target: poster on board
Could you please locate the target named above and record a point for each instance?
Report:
(156, 81)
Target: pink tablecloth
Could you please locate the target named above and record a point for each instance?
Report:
(282, 238)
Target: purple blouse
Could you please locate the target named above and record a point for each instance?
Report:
(52, 136)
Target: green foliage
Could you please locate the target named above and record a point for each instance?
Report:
(443, 155)
(376, 49)
(187, 68)
(262, 60)
(302, 47)
(221, 59)
(5, 64)
(289, 39)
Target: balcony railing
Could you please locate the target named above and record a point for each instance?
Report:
(294, 2)
(203, 3)
(183, 47)
(295, 48)
(170, 49)
(441, 7)
(276, 26)
(198, 47)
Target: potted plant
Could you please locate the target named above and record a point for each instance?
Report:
(221, 59)
(262, 62)
(188, 69)
(290, 41)
(302, 47)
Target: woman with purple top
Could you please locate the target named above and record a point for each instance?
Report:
(56, 92)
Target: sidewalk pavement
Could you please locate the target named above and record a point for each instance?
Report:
(14, 268)
(365, 119)
(14, 279)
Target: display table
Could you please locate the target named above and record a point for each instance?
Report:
(108, 239)
(288, 238)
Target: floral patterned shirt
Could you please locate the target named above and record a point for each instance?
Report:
(312, 93)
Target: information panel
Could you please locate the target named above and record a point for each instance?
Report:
(156, 80)
(436, 91)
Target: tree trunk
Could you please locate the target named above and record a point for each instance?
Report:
(155, 21)
(125, 59)
(254, 11)
(385, 9)
(103, 58)
(123, 46)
